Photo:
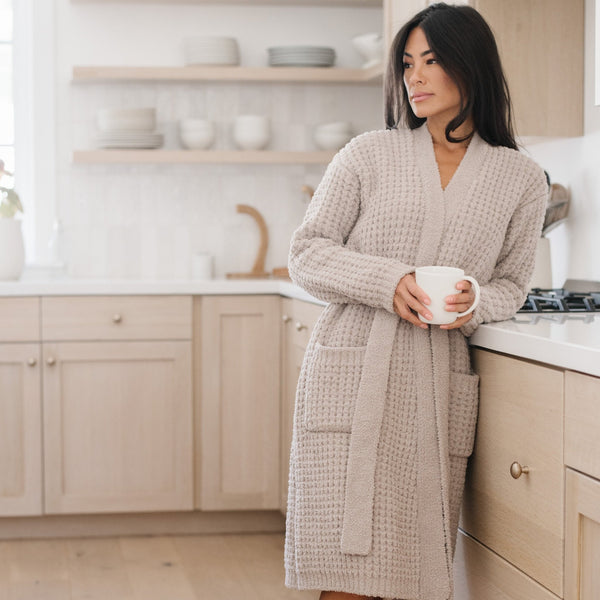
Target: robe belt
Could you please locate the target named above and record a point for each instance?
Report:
(357, 527)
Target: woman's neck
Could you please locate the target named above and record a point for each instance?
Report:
(437, 130)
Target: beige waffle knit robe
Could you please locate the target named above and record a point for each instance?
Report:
(386, 412)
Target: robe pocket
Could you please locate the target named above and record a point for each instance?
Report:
(332, 381)
(462, 413)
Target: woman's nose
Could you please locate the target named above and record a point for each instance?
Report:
(416, 75)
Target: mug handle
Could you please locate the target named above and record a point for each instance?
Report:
(477, 296)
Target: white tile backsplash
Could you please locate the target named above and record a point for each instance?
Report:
(132, 221)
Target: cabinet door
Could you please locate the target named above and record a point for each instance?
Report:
(239, 405)
(520, 420)
(117, 427)
(480, 574)
(20, 430)
(582, 544)
(541, 45)
(298, 321)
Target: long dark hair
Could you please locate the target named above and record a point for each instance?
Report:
(464, 46)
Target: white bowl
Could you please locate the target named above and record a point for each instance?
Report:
(211, 50)
(197, 140)
(326, 140)
(191, 124)
(370, 47)
(126, 119)
(336, 127)
(251, 140)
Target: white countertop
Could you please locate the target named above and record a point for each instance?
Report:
(569, 342)
(84, 287)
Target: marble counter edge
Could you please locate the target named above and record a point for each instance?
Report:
(520, 344)
(94, 287)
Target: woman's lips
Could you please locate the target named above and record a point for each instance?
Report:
(419, 97)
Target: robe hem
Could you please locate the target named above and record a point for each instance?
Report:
(384, 587)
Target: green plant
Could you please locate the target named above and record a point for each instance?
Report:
(10, 204)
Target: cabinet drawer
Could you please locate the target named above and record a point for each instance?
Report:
(19, 319)
(582, 422)
(116, 318)
(479, 574)
(520, 420)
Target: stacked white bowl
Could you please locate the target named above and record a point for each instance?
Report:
(251, 132)
(332, 136)
(128, 128)
(196, 134)
(211, 50)
(301, 56)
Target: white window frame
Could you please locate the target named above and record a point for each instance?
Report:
(35, 116)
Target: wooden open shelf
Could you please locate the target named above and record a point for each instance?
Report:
(350, 3)
(257, 157)
(371, 75)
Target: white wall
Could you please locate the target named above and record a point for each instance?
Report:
(146, 221)
(576, 163)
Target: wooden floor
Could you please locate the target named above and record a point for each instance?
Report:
(206, 567)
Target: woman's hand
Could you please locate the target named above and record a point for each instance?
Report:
(460, 303)
(410, 297)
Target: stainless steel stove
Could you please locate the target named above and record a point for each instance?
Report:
(575, 297)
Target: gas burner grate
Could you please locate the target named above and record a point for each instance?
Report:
(560, 301)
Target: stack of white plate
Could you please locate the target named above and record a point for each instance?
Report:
(301, 56)
(211, 50)
(128, 128)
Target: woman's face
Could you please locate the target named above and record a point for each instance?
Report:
(431, 92)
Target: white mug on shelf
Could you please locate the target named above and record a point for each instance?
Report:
(439, 282)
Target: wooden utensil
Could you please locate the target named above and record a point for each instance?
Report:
(258, 269)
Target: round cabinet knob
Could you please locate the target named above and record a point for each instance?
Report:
(516, 470)
(300, 326)
(286, 318)
(117, 318)
(50, 361)
(32, 362)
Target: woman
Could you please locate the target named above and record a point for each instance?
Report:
(386, 405)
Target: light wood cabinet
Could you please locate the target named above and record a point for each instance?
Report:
(520, 421)
(117, 427)
(19, 319)
(20, 430)
(582, 547)
(298, 320)
(117, 404)
(541, 44)
(238, 466)
(480, 574)
(582, 452)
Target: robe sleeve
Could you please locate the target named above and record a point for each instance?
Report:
(507, 290)
(319, 261)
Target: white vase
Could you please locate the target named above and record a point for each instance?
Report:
(12, 249)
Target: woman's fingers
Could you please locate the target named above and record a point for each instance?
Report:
(404, 311)
(458, 323)
(408, 298)
(463, 301)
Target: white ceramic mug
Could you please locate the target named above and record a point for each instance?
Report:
(202, 266)
(439, 282)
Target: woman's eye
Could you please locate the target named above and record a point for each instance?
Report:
(406, 65)
(432, 61)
